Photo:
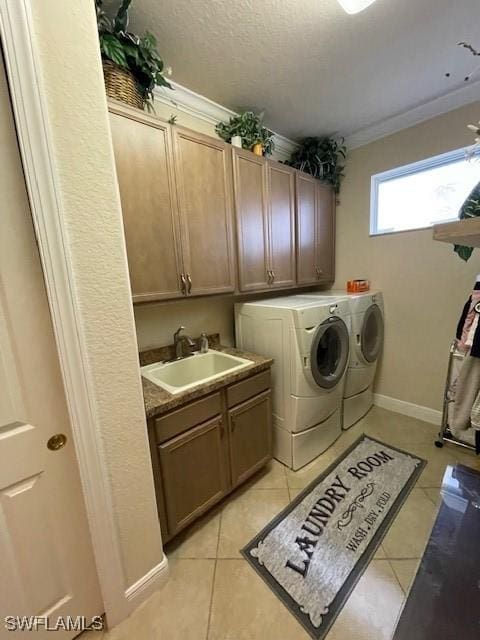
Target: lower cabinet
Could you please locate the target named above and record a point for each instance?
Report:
(205, 449)
(194, 473)
(250, 446)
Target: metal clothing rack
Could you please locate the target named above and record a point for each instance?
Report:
(445, 434)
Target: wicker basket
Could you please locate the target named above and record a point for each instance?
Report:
(120, 85)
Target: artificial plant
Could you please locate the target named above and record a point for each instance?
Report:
(137, 54)
(249, 126)
(323, 158)
(471, 207)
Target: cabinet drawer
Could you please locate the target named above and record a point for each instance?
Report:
(178, 421)
(248, 388)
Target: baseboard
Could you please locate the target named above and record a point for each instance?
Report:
(408, 409)
(147, 584)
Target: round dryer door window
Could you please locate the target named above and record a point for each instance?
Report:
(329, 353)
(372, 333)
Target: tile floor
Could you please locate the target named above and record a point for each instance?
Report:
(213, 594)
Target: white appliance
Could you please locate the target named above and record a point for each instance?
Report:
(366, 343)
(309, 342)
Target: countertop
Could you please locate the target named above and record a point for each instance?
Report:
(158, 401)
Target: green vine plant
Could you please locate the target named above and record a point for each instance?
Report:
(137, 54)
(249, 126)
(323, 158)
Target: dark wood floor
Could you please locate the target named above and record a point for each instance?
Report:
(444, 601)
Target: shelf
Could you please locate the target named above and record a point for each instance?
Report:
(466, 232)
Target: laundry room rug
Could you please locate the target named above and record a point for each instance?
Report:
(313, 553)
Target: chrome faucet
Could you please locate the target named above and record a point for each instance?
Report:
(179, 341)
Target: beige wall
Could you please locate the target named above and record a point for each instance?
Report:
(73, 86)
(156, 323)
(424, 283)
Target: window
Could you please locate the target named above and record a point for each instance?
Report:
(422, 194)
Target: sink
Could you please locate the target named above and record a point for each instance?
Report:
(200, 368)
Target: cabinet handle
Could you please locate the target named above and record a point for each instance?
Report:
(273, 276)
(184, 284)
(270, 276)
(189, 282)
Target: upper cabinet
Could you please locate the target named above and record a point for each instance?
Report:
(203, 170)
(265, 211)
(250, 181)
(281, 191)
(325, 232)
(198, 213)
(315, 231)
(143, 157)
(177, 202)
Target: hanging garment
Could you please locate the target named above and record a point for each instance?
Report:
(475, 413)
(468, 333)
(467, 388)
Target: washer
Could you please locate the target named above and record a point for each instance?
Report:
(366, 344)
(309, 342)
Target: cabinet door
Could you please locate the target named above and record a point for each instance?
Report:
(250, 436)
(325, 260)
(193, 473)
(144, 162)
(306, 228)
(281, 191)
(250, 180)
(204, 183)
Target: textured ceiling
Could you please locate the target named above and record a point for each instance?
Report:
(313, 68)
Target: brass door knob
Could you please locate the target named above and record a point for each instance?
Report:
(57, 441)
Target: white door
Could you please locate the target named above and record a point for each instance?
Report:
(46, 559)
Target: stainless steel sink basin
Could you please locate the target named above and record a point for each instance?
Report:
(184, 374)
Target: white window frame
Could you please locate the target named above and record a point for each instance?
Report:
(398, 172)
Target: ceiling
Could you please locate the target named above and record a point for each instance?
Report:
(313, 68)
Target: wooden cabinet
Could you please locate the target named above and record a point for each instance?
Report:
(281, 192)
(315, 231)
(203, 450)
(183, 194)
(250, 184)
(265, 214)
(143, 155)
(203, 170)
(250, 437)
(177, 203)
(193, 473)
(325, 233)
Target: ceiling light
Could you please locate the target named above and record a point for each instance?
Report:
(354, 6)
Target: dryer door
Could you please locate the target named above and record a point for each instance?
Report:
(372, 333)
(329, 352)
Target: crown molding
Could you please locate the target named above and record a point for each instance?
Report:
(443, 104)
(209, 111)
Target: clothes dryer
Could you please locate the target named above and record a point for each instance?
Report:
(366, 344)
(309, 342)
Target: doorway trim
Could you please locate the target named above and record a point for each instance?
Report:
(23, 73)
